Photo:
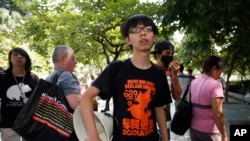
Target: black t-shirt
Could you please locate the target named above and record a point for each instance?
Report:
(135, 97)
(12, 99)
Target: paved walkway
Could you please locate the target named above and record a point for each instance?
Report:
(235, 113)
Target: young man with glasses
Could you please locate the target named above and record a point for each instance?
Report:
(141, 92)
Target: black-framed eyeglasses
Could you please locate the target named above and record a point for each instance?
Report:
(139, 29)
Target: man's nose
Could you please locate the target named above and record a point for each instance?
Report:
(142, 33)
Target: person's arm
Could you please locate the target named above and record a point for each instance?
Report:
(87, 111)
(174, 67)
(176, 88)
(161, 120)
(71, 88)
(219, 117)
(73, 100)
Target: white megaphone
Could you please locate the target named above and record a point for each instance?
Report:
(104, 125)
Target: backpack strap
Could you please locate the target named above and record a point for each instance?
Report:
(55, 77)
(185, 93)
(115, 71)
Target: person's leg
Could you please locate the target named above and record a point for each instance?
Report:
(168, 134)
(7, 134)
(167, 109)
(199, 136)
(193, 135)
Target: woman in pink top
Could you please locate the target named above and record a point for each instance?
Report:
(207, 97)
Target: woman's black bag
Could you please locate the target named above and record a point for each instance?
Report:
(183, 115)
(46, 116)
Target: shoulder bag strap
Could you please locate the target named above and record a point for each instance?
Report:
(185, 93)
(55, 77)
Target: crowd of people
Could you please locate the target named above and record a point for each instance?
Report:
(141, 98)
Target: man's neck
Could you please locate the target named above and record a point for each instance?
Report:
(18, 71)
(141, 61)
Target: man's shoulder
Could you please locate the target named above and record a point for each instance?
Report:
(157, 67)
(66, 75)
(33, 75)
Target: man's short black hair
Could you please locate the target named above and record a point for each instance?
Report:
(134, 20)
(162, 45)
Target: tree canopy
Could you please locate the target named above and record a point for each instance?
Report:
(91, 28)
(211, 28)
(214, 27)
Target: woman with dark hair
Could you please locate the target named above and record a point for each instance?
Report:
(207, 97)
(16, 86)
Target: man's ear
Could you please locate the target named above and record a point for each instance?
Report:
(62, 59)
(127, 40)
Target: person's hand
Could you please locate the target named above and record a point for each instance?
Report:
(174, 67)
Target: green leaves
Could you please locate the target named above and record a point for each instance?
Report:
(209, 23)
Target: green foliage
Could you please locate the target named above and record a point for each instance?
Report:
(11, 7)
(90, 27)
(210, 27)
(8, 21)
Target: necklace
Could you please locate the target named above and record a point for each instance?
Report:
(17, 81)
(20, 86)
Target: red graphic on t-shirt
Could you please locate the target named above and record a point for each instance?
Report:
(138, 94)
(139, 108)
